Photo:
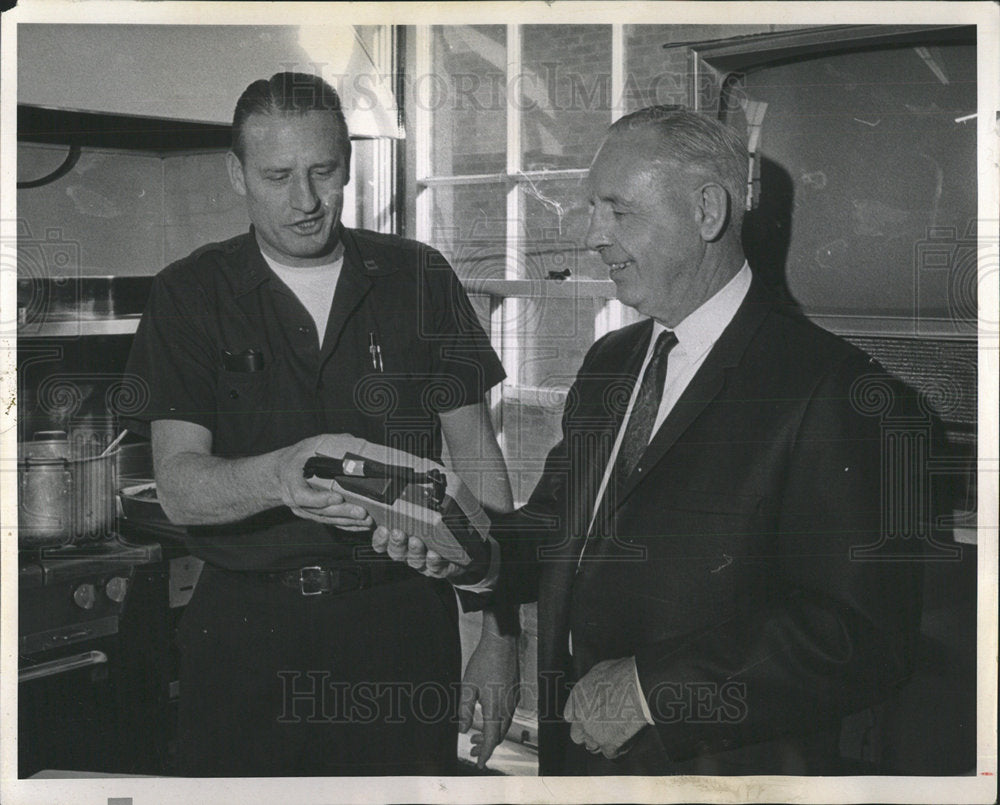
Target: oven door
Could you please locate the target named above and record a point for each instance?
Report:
(97, 702)
(66, 709)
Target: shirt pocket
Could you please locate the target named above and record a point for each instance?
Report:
(243, 410)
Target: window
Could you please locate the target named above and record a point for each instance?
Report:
(502, 123)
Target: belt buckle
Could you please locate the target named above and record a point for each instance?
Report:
(311, 580)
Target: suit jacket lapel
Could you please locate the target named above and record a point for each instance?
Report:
(617, 384)
(706, 384)
(604, 392)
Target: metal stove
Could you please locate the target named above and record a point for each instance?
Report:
(92, 671)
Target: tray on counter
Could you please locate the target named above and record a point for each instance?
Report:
(141, 508)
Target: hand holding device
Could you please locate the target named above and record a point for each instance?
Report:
(405, 493)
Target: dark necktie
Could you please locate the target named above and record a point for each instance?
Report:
(638, 429)
(647, 405)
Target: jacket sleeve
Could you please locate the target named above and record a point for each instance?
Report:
(838, 629)
(554, 508)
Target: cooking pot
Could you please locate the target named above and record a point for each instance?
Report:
(66, 491)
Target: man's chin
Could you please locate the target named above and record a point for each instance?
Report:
(625, 295)
(310, 247)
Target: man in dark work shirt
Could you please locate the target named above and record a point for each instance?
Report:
(300, 654)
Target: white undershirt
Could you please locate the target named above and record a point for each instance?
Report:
(314, 286)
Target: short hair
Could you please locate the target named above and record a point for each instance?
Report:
(288, 94)
(695, 141)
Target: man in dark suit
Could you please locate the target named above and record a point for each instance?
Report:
(701, 541)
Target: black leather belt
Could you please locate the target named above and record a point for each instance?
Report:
(335, 579)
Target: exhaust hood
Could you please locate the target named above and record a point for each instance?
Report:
(195, 73)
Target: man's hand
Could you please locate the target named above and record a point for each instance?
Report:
(491, 678)
(323, 506)
(412, 550)
(604, 709)
(198, 488)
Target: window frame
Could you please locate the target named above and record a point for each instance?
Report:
(506, 294)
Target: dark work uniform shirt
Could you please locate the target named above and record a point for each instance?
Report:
(224, 298)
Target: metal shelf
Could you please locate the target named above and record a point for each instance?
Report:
(124, 325)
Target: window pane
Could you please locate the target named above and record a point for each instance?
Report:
(481, 304)
(554, 334)
(466, 95)
(556, 216)
(565, 92)
(530, 431)
(469, 225)
(654, 75)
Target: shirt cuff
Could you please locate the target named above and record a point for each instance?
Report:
(489, 582)
(642, 696)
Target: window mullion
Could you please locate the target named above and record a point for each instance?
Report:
(509, 310)
(383, 214)
(422, 127)
(609, 316)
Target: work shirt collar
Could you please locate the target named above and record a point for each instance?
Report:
(250, 273)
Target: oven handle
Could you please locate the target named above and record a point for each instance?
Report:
(62, 666)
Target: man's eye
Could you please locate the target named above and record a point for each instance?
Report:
(277, 177)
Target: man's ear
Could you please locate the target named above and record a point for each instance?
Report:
(713, 211)
(236, 177)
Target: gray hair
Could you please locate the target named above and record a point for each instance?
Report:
(694, 141)
(288, 94)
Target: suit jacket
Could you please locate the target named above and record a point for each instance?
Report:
(741, 562)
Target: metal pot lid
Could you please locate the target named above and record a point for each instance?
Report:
(54, 448)
(50, 436)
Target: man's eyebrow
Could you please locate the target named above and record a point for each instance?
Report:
(332, 164)
(611, 198)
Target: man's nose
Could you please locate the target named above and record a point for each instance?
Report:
(597, 230)
(303, 196)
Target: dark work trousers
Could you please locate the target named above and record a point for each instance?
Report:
(274, 683)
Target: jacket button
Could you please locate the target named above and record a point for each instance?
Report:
(304, 330)
(234, 393)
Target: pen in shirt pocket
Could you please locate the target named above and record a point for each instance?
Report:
(375, 350)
